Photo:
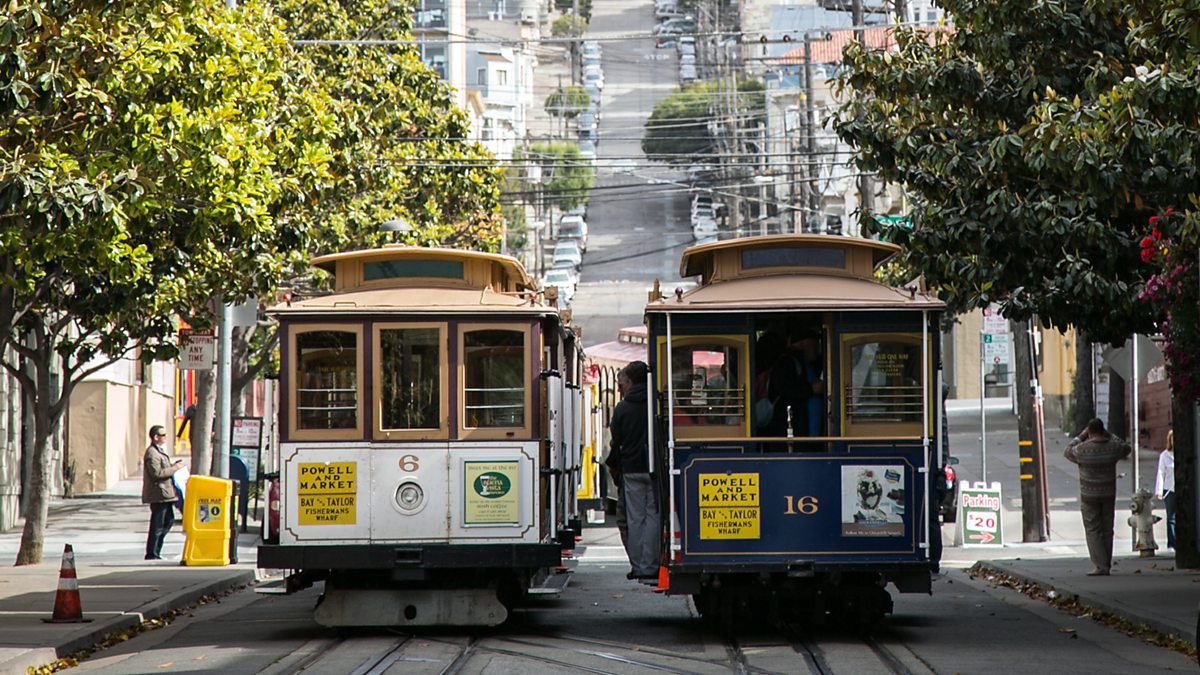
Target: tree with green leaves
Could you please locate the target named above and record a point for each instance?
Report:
(565, 176)
(398, 151)
(581, 7)
(1036, 141)
(567, 102)
(568, 26)
(682, 127)
(142, 145)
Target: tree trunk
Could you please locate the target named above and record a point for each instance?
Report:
(202, 422)
(37, 506)
(1116, 422)
(1085, 382)
(1183, 423)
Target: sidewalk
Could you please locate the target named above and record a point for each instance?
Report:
(118, 589)
(1146, 591)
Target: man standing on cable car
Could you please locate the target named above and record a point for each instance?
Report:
(629, 463)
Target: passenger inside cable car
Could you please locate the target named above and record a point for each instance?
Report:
(796, 386)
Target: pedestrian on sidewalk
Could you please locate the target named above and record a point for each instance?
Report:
(628, 459)
(1164, 485)
(1097, 452)
(158, 490)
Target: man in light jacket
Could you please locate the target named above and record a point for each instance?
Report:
(1097, 452)
(158, 490)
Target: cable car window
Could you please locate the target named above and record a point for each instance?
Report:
(410, 380)
(494, 364)
(327, 379)
(884, 382)
(398, 269)
(707, 385)
(794, 256)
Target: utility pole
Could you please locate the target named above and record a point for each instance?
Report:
(222, 431)
(810, 171)
(562, 119)
(866, 201)
(1032, 459)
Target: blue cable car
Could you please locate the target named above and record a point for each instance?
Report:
(796, 414)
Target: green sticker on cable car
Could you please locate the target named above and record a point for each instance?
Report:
(491, 496)
(492, 485)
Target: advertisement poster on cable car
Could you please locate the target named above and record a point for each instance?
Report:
(873, 501)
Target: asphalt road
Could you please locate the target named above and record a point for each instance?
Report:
(638, 221)
(605, 624)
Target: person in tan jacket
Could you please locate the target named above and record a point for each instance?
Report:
(158, 490)
(1097, 452)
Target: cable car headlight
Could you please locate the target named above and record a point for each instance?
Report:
(410, 497)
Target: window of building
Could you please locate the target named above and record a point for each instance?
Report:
(495, 375)
(409, 371)
(481, 77)
(501, 77)
(326, 388)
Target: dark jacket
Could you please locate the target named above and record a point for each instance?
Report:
(157, 469)
(790, 385)
(1097, 460)
(629, 434)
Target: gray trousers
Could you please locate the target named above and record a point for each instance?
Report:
(1098, 515)
(641, 510)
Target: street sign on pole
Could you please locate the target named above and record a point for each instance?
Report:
(993, 323)
(197, 349)
(980, 514)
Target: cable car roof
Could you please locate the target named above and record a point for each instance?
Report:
(417, 300)
(790, 272)
(346, 266)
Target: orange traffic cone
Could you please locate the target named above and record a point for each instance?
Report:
(664, 580)
(67, 607)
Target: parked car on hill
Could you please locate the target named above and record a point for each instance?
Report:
(567, 252)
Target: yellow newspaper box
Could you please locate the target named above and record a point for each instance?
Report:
(207, 505)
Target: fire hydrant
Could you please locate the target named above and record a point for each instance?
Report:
(1143, 520)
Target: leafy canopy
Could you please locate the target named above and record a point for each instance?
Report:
(565, 176)
(1003, 212)
(567, 102)
(684, 126)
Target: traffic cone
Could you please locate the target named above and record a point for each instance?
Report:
(664, 580)
(67, 606)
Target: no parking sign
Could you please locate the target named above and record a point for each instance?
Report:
(980, 514)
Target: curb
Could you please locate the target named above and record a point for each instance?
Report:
(35, 657)
(1183, 632)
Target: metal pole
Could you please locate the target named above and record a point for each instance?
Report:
(982, 412)
(809, 141)
(224, 380)
(925, 425)
(670, 477)
(1133, 416)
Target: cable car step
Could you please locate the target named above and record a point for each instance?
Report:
(553, 584)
